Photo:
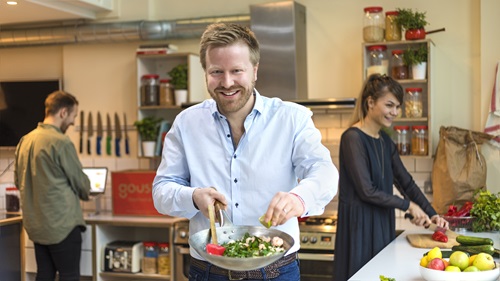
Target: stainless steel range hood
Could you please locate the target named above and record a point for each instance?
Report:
(280, 28)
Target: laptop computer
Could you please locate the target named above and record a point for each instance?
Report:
(98, 177)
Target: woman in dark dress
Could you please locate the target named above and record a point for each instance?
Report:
(369, 167)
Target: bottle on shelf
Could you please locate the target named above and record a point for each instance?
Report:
(392, 28)
(163, 258)
(378, 62)
(419, 141)
(373, 24)
(166, 93)
(150, 90)
(398, 68)
(413, 102)
(402, 139)
(149, 258)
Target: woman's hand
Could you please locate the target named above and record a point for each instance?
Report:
(440, 221)
(420, 218)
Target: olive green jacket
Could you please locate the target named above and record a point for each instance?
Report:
(49, 176)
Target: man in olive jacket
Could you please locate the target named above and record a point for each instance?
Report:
(49, 176)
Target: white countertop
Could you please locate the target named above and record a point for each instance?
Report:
(401, 261)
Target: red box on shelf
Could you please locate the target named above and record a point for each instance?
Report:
(131, 191)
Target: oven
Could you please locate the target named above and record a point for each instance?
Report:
(317, 245)
(181, 251)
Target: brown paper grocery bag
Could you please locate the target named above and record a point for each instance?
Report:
(459, 168)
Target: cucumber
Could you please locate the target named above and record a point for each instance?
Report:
(475, 249)
(473, 241)
(446, 253)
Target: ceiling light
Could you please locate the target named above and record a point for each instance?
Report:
(11, 2)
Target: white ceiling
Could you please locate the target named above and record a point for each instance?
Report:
(30, 11)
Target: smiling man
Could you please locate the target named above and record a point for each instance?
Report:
(246, 151)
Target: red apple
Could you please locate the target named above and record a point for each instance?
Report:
(436, 264)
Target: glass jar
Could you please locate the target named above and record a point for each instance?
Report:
(149, 258)
(419, 141)
(413, 102)
(378, 62)
(392, 28)
(12, 199)
(373, 25)
(150, 90)
(166, 92)
(398, 68)
(402, 139)
(164, 259)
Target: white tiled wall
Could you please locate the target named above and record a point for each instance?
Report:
(333, 123)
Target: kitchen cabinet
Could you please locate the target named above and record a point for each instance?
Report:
(107, 228)
(425, 84)
(10, 249)
(161, 64)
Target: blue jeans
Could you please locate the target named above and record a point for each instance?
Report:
(289, 272)
(63, 257)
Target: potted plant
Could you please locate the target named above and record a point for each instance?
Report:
(416, 60)
(413, 22)
(179, 80)
(148, 129)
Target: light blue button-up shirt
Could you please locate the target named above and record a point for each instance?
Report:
(280, 145)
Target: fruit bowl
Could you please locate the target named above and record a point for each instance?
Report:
(438, 275)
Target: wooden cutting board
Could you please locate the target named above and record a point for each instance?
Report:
(425, 241)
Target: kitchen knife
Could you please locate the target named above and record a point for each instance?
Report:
(90, 132)
(81, 132)
(434, 227)
(108, 134)
(99, 133)
(127, 151)
(118, 135)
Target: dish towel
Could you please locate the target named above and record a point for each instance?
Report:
(493, 122)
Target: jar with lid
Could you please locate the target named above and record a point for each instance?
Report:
(373, 25)
(398, 68)
(413, 102)
(149, 258)
(163, 259)
(12, 199)
(419, 141)
(378, 62)
(150, 90)
(392, 28)
(402, 139)
(166, 92)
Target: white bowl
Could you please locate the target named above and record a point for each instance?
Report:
(438, 275)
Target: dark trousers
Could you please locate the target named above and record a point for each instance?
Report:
(63, 257)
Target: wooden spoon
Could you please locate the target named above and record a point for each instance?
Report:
(214, 248)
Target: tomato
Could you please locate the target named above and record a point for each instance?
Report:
(215, 250)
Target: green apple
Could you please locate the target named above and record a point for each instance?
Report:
(471, 269)
(459, 259)
(452, 268)
(484, 261)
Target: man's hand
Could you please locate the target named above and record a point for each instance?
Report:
(202, 197)
(283, 206)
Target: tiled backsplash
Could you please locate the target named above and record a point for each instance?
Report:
(331, 123)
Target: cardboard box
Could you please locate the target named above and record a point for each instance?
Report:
(132, 193)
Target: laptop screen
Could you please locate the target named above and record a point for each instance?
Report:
(98, 177)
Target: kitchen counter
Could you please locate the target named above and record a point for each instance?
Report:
(139, 221)
(10, 218)
(400, 260)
